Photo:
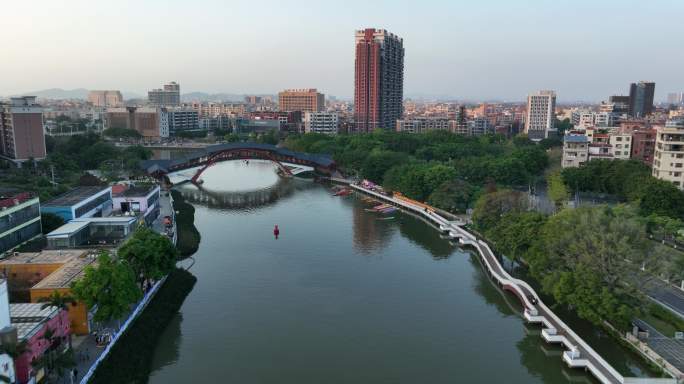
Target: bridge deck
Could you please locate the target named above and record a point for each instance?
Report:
(579, 353)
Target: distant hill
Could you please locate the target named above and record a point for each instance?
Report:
(63, 94)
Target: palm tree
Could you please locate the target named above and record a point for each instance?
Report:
(58, 300)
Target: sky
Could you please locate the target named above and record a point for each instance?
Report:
(460, 49)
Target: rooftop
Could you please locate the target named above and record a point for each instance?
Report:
(74, 196)
(11, 199)
(137, 191)
(28, 318)
(64, 276)
(575, 139)
(43, 257)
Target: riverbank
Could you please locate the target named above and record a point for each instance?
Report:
(188, 235)
(129, 359)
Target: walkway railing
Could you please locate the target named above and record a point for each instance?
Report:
(580, 354)
(136, 312)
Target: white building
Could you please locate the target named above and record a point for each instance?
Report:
(541, 116)
(321, 122)
(575, 151)
(668, 161)
(422, 124)
(621, 145)
(584, 119)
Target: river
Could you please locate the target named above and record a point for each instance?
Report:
(343, 296)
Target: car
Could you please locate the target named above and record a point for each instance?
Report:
(532, 299)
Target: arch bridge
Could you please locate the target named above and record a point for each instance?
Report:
(288, 162)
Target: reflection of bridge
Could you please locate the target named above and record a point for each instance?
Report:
(288, 162)
(579, 353)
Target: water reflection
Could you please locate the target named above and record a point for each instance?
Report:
(371, 232)
(170, 340)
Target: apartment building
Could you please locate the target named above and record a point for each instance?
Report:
(321, 122)
(421, 125)
(182, 120)
(151, 123)
(668, 162)
(21, 129)
(541, 116)
(575, 151)
(168, 96)
(106, 98)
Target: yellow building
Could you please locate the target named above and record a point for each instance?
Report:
(31, 276)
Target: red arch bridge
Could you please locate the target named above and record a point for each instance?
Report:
(191, 166)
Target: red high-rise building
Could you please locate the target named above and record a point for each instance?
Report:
(378, 80)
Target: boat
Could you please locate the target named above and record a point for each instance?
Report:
(343, 192)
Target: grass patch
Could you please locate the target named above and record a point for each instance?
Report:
(130, 359)
(663, 320)
(188, 235)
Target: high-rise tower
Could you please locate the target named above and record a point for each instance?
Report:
(378, 80)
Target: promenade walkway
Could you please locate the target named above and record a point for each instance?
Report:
(578, 354)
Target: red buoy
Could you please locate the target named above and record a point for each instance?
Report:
(276, 231)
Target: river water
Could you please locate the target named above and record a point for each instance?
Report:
(343, 296)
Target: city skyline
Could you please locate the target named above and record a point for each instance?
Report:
(462, 55)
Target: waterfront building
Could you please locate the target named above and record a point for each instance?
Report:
(304, 100)
(540, 120)
(641, 98)
(35, 275)
(142, 201)
(19, 219)
(182, 120)
(151, 123)
(169, 96)
(575, 151)
(106, 99)
(378, 80)
(668, 162)
(81, 202)
(321, 122)
(21, 129)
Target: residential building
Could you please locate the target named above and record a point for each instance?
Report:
(378, 80)
(620, 104)
(242, 125)
(106, 99)
(21, 129)
(321, 122)
(541, 115)
(575, 151)
(668, 162)
(151, 123)
(643, 139)
(676, 98)
(422, 125)
(169, 96)
(81, 202)
(19, 219)
(479, 126)
(291, 121)
(621, 145)
(220, 122)
(304, 100)
(641, 98)
(585, 119)
(182, 120)
(35, 275)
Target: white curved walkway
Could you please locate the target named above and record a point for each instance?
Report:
(578, 354)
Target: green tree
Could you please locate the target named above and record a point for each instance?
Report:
(558, 192)
(111, 285)
(151, 255)
(516, 233)
(379, 162)
(56, 299)
(453, 195)
(585, 258)
(490, 207)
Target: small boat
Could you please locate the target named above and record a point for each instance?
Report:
(343, 192)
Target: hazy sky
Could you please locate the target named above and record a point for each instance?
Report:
(466, 49)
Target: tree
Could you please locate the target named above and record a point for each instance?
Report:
(111, 285)
(516, 233)
(585, 257)
(453, 195)
(660, 197)
(50, 222)
(151, 255)
(58, 300)
(379, 162)
(491, 207)
(558, 192)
